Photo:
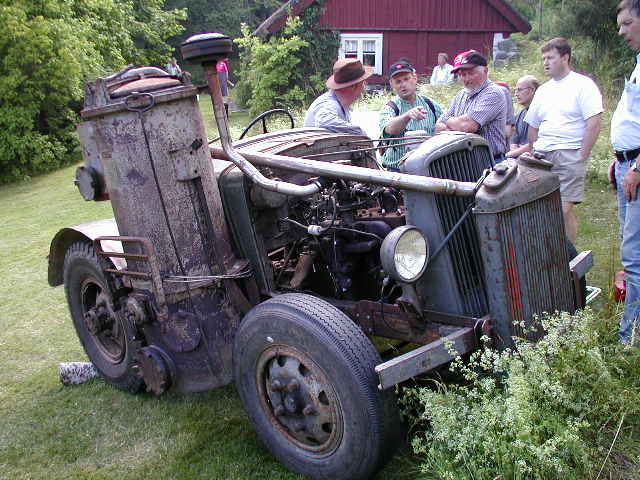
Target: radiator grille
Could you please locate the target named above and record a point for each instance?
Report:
(464, 246)
(535, 258)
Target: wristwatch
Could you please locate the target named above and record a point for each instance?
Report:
(634, 167)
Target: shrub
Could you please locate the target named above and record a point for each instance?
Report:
(289, 69)
(48, 48)
(547, 410)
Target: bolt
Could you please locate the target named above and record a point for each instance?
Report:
(278, 411)
(309, 410)
(293, 386)
(276, 385)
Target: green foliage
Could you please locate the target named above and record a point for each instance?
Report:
(272, 78)
(224, 16)
(289, 69)
(548, 410)
(48, 48)
(590, 25)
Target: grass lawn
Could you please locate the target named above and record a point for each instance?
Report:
(95, 431)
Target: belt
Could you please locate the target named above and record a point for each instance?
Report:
(628, 155)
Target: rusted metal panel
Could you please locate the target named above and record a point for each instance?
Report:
(427, 357)
(158, 172)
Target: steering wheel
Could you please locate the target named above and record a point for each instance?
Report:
(262, 117)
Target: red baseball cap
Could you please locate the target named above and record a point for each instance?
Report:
(468, 59)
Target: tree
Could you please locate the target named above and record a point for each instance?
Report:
(591, 24)
(289, 69)
(48, 49)
(224, 16)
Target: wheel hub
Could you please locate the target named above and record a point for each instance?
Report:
(300, 399)
(102, 322)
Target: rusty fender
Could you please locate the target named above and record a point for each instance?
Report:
(86, 232)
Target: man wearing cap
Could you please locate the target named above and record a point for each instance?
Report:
(407, 111)
(480, 107)
(564, 121)
(331, 110)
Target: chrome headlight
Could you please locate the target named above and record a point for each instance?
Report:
(404, 254)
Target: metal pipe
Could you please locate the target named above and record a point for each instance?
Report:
(232, 155)
(367, 149)
(403, 181)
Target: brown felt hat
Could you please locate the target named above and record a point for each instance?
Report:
(347, 72)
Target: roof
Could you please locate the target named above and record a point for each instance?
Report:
(277, 20)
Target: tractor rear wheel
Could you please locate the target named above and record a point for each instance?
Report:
(108, 337)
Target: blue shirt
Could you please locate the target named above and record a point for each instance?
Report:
(326, 111)
(521, 130)
(625, 123)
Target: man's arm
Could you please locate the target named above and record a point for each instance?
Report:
(516, 150)
(441, 127)
(590, 135)
(630, 183)
(532, 136)
(464, 123)
(329, 119)
(398, 124)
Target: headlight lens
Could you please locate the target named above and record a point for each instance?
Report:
(404, 254)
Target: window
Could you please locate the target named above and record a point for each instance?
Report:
(366, 47)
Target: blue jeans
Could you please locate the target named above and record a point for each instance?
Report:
(629, 215)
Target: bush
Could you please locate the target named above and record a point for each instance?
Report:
(48, 48)
(289, 69)
(548, 410)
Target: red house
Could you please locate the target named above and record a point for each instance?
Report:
(379, 32)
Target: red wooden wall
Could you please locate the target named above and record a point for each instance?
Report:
(419, 29)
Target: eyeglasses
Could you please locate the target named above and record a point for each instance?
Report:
(521, 89)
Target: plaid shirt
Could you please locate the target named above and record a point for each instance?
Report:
(392, 156)
(487, 107)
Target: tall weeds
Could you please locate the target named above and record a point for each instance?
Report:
(545, 411)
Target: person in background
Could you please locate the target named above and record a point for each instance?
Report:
(510, 119)
(173, 68)
(625, 137)
(406, 111)
(524, 91)
(480, 107)
(222, 67)
(332, 109)
(441, 74)
(564, 120)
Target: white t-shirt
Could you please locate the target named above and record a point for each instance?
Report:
(560, 110)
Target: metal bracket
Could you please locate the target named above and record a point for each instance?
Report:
(425, 358)
(148, 256)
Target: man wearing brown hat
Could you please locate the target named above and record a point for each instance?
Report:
(331, 110)
(480, 107)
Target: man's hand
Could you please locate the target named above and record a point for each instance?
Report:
(611, 174)
(630, 184)
(417, 113)
(441, 127)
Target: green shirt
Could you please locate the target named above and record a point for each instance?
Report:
(392, 156)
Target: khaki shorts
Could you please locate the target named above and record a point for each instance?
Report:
(572, 173)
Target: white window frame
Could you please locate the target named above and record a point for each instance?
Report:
(360, 38)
